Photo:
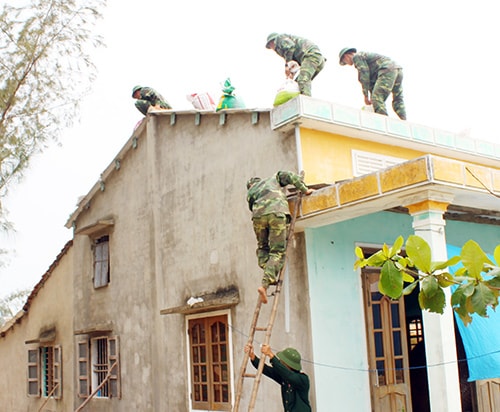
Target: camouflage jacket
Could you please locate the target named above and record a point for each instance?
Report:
(152, 96)
(369, 66)
(294, 48)
(268, 195)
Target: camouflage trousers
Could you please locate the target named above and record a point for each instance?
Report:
(271, 233)
(387, 82)
(144, 105)
(311, 65)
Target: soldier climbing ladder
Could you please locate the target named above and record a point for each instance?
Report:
(267, 329)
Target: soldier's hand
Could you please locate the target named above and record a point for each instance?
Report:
(309, 191)
(249, 350)
(266, 350)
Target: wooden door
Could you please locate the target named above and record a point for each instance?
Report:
(488, 395)
(387, 348)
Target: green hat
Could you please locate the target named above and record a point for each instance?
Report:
(290, 357)
(344, 51)
(271, 38)
(252, 181)
(135, 89)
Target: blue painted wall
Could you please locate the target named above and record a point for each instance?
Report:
(338, 326)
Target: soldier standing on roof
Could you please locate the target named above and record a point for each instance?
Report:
(270, 214)
(147, 98)
(379, 76)
(304, 52)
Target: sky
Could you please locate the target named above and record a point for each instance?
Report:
(447, 50)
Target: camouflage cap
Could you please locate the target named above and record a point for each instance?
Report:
(344, 51)
(252, 181)
(135, 89)
(271, 38)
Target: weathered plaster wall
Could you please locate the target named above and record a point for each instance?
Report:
(52, 308)
(183, 228)
(205, 236)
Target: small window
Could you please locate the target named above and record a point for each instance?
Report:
(98, 368)
(210, 364)
(101, 262)
(44, 372)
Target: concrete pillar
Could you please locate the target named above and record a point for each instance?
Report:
(439, 332)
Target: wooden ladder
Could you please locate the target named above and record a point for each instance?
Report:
(267, 329)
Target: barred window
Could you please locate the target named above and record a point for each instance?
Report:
(98, 367)
(44, 372)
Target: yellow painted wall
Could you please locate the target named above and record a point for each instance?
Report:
(327, 157)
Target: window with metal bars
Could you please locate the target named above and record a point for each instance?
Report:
(44, 372)
(98, 367)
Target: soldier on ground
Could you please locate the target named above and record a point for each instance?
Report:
(285, 369)
(379, 76)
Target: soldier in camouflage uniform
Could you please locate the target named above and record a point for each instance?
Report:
(304, 52)
(148, 97)
(379, 76)
(270, 214)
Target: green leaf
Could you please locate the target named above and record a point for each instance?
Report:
(483, 297)
(443, 265)
(391, 280)
(473, 258)
(359, 252)
(396, 247)
(464, 315)
(429, 286)
(496, 255)
(377, 259)
(445, 279)
(458, 298)
(419, 252)
(435, 304)
(407, 277)
(403, 262)
(494, 282)
(385, 250)
(410, 288)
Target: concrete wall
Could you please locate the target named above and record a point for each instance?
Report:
(52, 308)
(183, 228)
(337, 315)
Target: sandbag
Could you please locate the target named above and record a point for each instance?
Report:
(288, 90)
(228, 100)
(201, 101)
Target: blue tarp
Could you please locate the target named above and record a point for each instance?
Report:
(481, 338)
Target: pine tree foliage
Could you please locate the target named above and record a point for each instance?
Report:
(45, 70)
(11, 304)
